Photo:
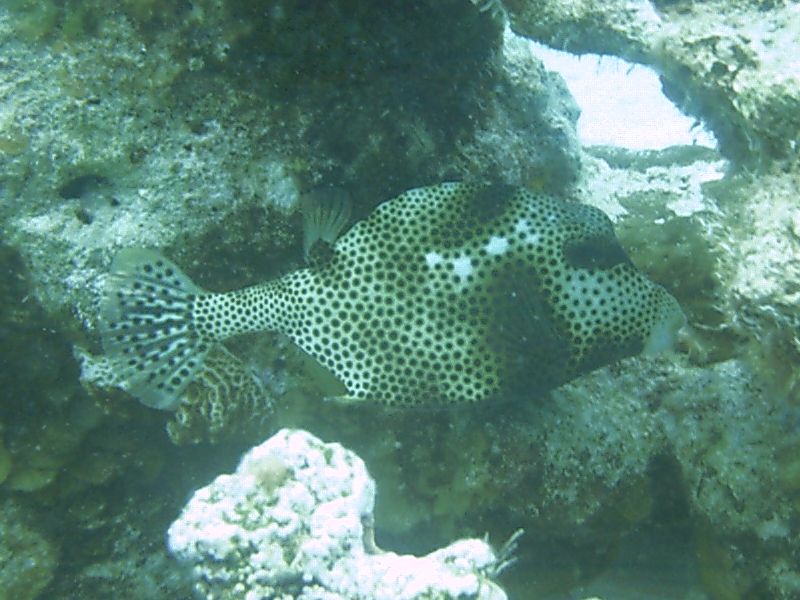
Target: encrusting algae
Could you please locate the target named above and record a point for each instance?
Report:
(450, 293)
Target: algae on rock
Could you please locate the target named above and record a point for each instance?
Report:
(28, 559)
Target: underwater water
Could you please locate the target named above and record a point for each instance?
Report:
(622, 103)
(359, 300)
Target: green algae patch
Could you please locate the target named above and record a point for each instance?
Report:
(788, 464)
(717, 567)
(31, 479)
(13, 143)
(96, 468)
(34, 20)
(5, 463)
(28, 559)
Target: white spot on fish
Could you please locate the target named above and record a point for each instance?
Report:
(522, 226)
(496, 246)
(532, 239)
(433, 259)
(462, 266)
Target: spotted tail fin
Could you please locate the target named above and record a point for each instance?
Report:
(147, 328)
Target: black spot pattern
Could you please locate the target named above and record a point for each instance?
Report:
(445, 294)
(147, 327)
(432, 301)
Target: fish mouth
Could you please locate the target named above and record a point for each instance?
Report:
(665, 330)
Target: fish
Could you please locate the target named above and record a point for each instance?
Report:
(458, 292)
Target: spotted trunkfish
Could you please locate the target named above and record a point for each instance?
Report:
(452, 293)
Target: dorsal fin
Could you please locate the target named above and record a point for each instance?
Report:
(326, 213)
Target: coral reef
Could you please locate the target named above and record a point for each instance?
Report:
(74, 469)
(726, 63)
(725, 433)
(28, 559)
(196, 127)
(575, 469)
(730, 423)
(295, 521)
(239, 133)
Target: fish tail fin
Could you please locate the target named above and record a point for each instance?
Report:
(147, 327)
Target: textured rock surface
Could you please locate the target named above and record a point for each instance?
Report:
(295, 521)
(729, 63)
(733, 243)
(196, 128)
(528, 137)
(28, 559)
(171, 130)
(726, 434)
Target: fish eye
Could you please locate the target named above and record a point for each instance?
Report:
(594, 253)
